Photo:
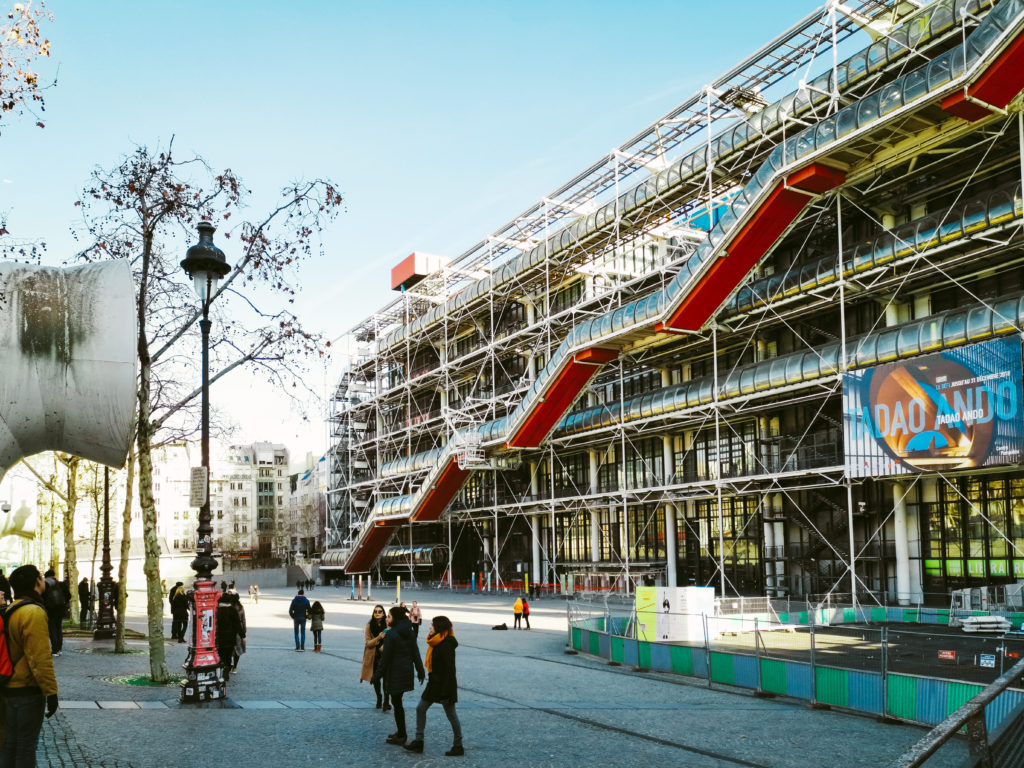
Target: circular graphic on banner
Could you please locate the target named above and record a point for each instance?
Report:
(932, 414)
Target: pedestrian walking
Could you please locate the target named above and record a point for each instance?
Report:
(55, 604)
(5, 588)
(256, 593)
(250, 593)
(399, 657)
(179, 612)
(84, 599)
(33, 683)
(517, 611)
(416, 617)
(442, 687)
(316, 625)
(163, 587)
(526, 612)
(299, 610)
(239, 649)
(228, 631)
(373, 638)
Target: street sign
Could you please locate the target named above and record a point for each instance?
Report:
(947, 655)
(987, 660)
(197, 494)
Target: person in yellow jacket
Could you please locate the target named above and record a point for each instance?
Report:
(33, 684)
(517, 609)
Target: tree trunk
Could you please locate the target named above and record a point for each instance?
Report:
(122, 568)
(54, 554)
(154, 598)
(70, 556)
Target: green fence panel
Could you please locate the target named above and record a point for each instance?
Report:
(577, 639)
(803, 617)
(911, 615)
(784, 618)
(902, 698)
(878, 614)
(682, 659)
(958, 694)
(595, 644)
(721, 668)
(849, 616)
(833, 686)
(773, 676)
(617, 652)
(942, 617)
(644, 656)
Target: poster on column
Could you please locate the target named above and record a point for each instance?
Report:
(950, 410)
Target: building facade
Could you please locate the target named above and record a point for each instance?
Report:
(770, 344)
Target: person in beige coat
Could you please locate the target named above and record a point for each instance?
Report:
(373, 637)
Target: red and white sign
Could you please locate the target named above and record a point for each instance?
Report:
(947, 655)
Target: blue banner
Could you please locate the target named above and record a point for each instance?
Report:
(935, 413)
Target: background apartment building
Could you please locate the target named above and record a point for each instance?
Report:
(771, 344)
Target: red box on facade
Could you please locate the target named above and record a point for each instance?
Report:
(414, 268)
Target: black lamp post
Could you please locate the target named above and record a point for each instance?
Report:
(204, 679)
(105, 625)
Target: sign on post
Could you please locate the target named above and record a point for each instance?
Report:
(947, 655)
(987, 660)
(197, 493)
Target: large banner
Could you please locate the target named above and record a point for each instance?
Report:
(933, 413)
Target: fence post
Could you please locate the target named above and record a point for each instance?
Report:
(814, 674)
(757, 655)
(885, 671)
(977, 740)
(707, 647)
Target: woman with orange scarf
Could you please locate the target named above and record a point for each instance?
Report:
(442, 688)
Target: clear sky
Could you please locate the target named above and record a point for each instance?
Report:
(439, 121)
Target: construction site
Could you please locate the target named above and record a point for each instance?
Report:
(771, 344)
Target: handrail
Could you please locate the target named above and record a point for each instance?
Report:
(971, 714)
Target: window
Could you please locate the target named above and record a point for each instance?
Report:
(185, 515)
(175, 515)
(280, 501)
(176, 544)
(220, 514)
(236, 527)
(245, 501)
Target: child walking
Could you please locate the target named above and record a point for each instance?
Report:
(316, 625)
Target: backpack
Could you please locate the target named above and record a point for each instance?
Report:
(7, 664)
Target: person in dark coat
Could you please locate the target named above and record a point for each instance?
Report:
(399, 657)
(442, 687)
(56, 604)
(5, 588)
(229, 630)
(179, 613)
(239, 649)
(84, 599)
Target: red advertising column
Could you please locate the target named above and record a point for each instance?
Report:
(202, 649)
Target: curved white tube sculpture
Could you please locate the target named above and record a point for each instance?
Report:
(67, 361)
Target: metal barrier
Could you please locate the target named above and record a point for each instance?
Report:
(1004, 750)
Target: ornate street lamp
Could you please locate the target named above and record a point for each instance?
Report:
(105, 624)
(204, 678)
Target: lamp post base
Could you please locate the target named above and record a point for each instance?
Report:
(204, 677)
(105, 623)
(205, 684)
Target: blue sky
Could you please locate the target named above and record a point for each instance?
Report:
(439, 121)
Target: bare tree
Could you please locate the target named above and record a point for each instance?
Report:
(145, 210)
(122, 567)
(21, 43)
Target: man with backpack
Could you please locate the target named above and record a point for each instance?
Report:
(32, 687)
(299, 611)
(55, 602)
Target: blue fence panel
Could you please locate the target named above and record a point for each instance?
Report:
(744, 670)
(700, 663)
(798, 680)
(1002, 706)
(865, 691)
(630, 652)
(604, 644)
(931, 701)
(894, 614)
(661, 657)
